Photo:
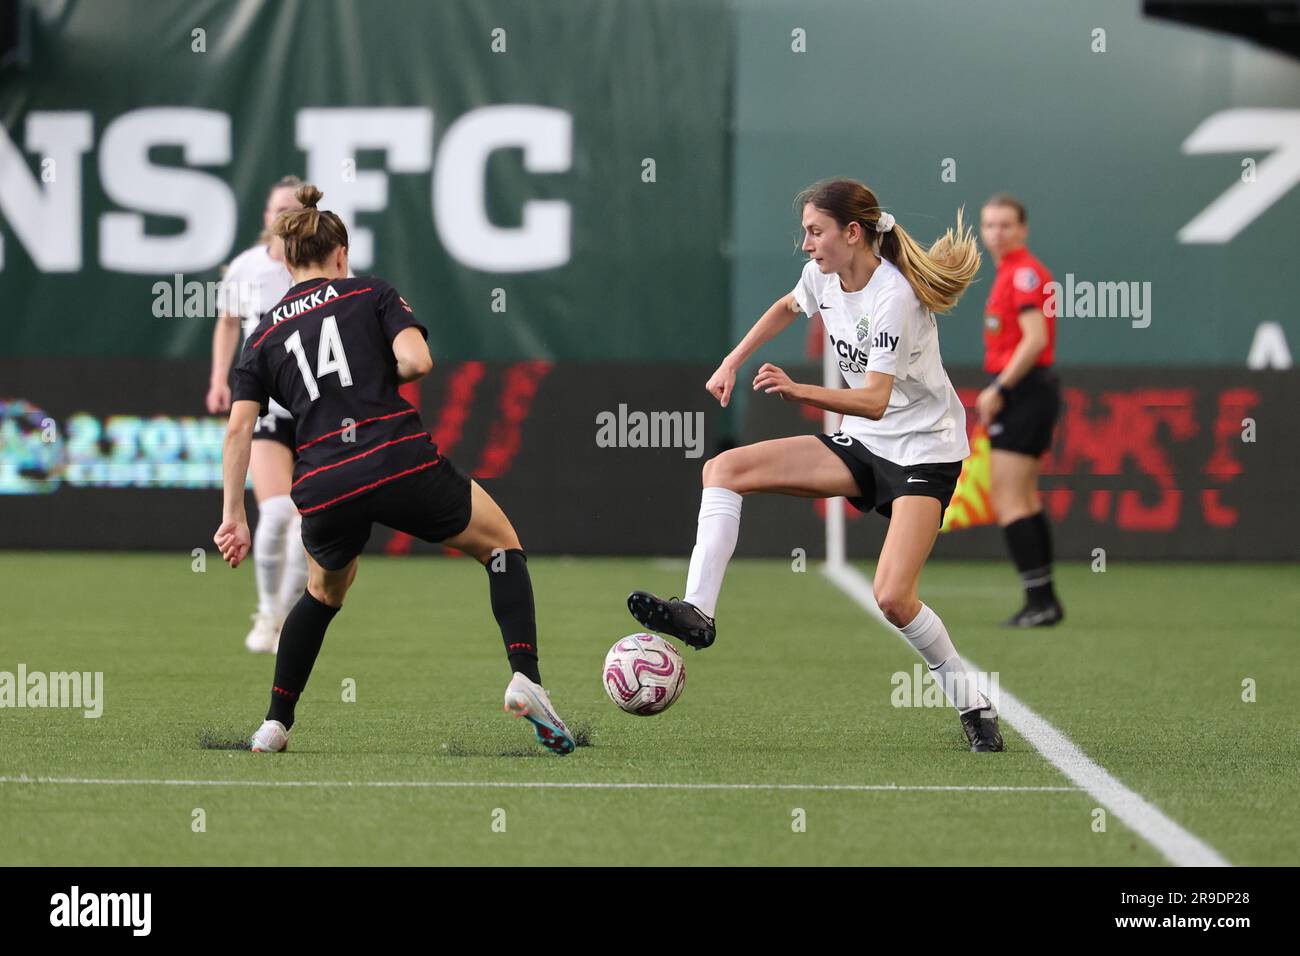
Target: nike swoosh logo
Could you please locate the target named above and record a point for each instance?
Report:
(910, 480)
(826, 307)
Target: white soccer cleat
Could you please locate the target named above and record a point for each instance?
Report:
(526, 699)
(264, 638)
(270, 738)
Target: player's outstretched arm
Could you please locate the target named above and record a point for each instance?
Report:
(232, 537)
(870, 401)
(412, 354)
(772, 323)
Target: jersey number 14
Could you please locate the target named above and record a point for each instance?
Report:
(329, 357)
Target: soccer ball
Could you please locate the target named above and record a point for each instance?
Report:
(644, 674)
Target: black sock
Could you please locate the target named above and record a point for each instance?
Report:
(300, 641)
(1030, 542)
(512, 605)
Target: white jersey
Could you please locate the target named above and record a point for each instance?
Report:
(884, 327)
(253, 284)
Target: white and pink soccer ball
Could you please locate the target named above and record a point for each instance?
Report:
(644, 674)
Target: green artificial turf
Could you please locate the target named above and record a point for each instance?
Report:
(1145, 676)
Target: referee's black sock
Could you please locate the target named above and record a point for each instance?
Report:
(300, 641)
(512, 605)
(1030, 542)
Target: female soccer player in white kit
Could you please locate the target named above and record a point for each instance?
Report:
(256, 280)
(902, 438)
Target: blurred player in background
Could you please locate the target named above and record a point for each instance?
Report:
(1020, 407)
(255, 281)
(334, 351)
(902, 438)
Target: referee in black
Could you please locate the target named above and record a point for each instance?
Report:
(1021, 405)
(333, 352)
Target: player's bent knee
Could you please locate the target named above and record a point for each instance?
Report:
(709, 474)
(487, 547)
(331, 597)
(494, 558)
(503, 540)
(722, 471)
(897, 604)
(897, 613)
(329, 588)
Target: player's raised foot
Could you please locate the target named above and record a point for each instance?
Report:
(1044, 616)
(981, 726)
(264, 638)
(270, 738)
(675, 618)
(527, 699)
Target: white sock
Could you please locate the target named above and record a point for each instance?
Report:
(715, 541)
(927, 634)
(294, 579)
(274, 515)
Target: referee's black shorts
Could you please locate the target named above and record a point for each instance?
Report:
(432, 505)
(1029, 413)
(881, 480)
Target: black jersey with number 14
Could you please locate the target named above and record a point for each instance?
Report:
(325, 352)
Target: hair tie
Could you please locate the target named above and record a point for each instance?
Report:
(885, 223)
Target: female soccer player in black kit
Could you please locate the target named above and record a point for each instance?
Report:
(333, 352)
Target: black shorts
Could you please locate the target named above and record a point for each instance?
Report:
(432, 505)
(1029, 413)
(270, 427)
(881, 481)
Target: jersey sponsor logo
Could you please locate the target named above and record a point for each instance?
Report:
(295, 307)
(884, 340)
(1025, 279)
(847, 351)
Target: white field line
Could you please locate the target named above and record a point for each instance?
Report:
(518, 785)
(1177, 845)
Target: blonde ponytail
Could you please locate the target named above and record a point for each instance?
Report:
(940, 275)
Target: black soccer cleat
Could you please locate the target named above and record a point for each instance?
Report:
(675, 618)
(981, 731)
(1045, 616)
